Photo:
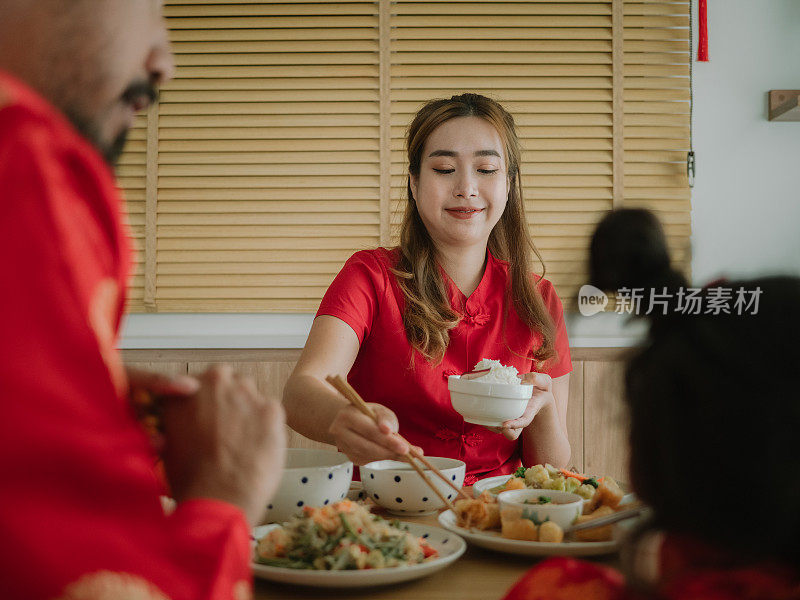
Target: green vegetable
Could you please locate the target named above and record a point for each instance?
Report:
(541, 500)
(592, 482)
(348, 530)
(311, 547)
(520, 472)
(535, 519)
(358, 538)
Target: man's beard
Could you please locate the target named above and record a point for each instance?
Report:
(113, 151)
(90, 129)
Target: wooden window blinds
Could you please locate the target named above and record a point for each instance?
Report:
(277, 151)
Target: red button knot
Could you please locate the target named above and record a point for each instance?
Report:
(447, 435)
(468, 439)
(472, 439)
(447, 372)
(476, 319)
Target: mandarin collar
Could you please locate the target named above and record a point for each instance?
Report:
(472, 307)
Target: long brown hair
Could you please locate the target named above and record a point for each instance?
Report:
(428, 316)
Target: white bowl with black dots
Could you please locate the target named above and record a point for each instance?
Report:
(398, 488)
(310, 478)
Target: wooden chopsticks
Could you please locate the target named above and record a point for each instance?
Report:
(474, 374)
(620, 515)
(346, 390)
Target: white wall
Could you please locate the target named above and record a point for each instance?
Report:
(746, 198)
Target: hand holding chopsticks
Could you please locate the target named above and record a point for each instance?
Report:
(352, 396)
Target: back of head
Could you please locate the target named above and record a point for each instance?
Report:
(714, 408)
(629, 249)
(715, 416)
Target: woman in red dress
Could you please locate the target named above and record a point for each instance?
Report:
(459, 288)
(715, 415)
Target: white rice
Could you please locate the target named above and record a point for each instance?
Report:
(498, 373)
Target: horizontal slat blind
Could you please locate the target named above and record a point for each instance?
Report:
(268, 153)
(657, 116)
(550, 65)
(131, 176)
(269, 139)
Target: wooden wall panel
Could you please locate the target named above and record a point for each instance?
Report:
(596, 422)
(270, 378)
(575, 415)
(604, 420)
(170, 367)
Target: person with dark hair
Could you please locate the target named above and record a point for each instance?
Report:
(712, 453)
(80, 510)
(629, 249)
(458, 288)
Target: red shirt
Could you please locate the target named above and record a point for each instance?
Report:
(693, 571)
(365, 295)
(79, 508)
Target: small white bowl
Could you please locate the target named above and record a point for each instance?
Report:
(489, 404)
(563, 508)
(311, 478)
(398, 488)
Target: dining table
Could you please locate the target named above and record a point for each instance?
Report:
(479, 574)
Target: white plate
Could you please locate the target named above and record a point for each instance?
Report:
(488, 483)
(450, 547)
(493, 541)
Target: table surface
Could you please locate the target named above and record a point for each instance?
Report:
(478, 575)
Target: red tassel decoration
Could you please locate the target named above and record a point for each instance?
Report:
(702, 40)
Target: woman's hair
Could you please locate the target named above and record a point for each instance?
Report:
(629, 249)
(428, 316)
(713, 400)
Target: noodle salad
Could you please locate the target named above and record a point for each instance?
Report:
(341, 536)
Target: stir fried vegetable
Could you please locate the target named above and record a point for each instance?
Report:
(344, 535)
(548, 477)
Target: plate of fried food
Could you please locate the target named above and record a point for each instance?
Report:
(344, 545)
(495, 523)
(543, 477)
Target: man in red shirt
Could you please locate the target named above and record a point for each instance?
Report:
(80, 515)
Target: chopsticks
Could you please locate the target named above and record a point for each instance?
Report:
(474, 374)
(346, 390)
(621, 515)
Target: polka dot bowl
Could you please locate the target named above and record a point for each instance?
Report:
(311, 478)
(398, 488)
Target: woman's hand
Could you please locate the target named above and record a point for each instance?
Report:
(541, 397)
(363, 441)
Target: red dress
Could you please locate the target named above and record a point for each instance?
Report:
(79, 510)
(365, 295)
(688, 570)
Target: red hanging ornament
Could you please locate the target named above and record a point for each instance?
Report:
(702, 39)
